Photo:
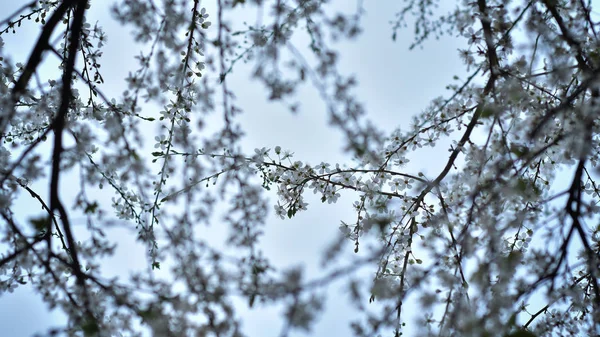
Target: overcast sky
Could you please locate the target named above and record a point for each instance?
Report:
(394, 84)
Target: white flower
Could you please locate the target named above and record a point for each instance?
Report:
(348, 179)
(280, 211)
(318, 187)
(332, 196)
(161, 142)
(323, 168)
(260, 154)
(203, 13)
(344, 228)
(396, 185)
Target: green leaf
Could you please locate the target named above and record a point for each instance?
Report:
(291, 212)
(91, 208)
(147, 314)
(524, 185)
(512, 320)
(90, 328)
(486, 113)
(135, 156)
(595, 55)
(40, 223)
(155, 265)
(519, 150)
(522, 333)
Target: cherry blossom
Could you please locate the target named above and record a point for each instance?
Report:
(502, 239)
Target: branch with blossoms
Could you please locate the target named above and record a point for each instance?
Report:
(292, 178)
(476, 244)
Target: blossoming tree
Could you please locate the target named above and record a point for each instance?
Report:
(481, 243)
